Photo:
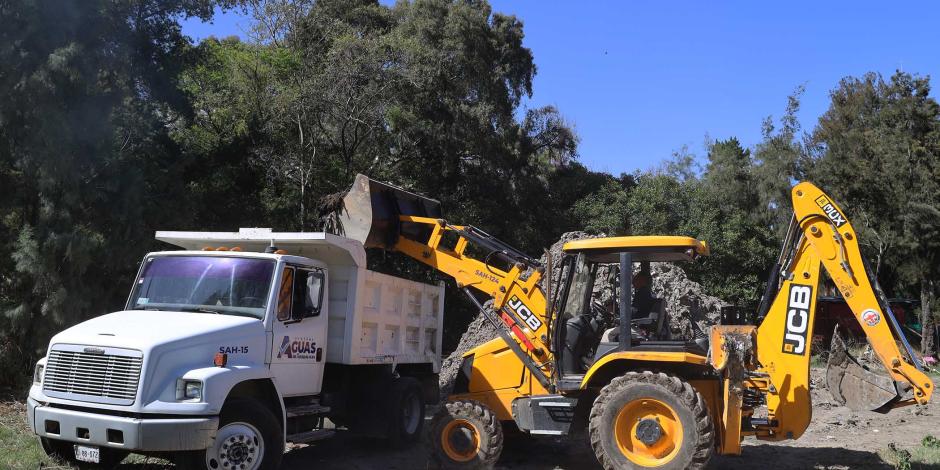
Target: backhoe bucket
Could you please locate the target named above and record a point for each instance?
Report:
(854, 385)
(371, 209)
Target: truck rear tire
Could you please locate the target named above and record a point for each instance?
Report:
(651, 420)
(249, 434)
(64, 450)
(406, 412)
(466, 435)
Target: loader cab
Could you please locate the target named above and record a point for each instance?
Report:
(604, 300)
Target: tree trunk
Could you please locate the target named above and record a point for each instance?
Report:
(928, 346)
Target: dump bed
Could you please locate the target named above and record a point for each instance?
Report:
(374, 318)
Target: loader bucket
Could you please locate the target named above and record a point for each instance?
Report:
(371, 209)
(854, 385)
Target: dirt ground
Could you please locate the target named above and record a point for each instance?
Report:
(838, 438)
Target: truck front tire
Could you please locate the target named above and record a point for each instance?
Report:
(64, 450)
(406, 412)
(249, 438)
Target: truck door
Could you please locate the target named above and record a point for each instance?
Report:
(298, 352)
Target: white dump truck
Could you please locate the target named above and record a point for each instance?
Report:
(234, 346)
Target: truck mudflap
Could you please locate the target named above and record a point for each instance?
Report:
(370, 213)
(854, 385)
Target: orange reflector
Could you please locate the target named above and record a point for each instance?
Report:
(222, 248)
(236, 248)
(280, 252)
(208, 248)
(220, 359)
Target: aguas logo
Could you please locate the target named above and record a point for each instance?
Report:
(300, 348)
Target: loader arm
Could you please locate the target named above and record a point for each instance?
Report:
(388, 217)
(819, 236)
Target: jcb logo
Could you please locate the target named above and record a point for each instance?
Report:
(524, 313)
(834, 215)
(794, 339)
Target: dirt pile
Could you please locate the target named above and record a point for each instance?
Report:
(478, 332)
(685, 302)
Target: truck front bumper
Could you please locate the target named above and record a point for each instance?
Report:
(175, 433)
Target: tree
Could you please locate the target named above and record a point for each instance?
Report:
(877, 149)
(425, 95)
(724, 213)
(779, 162)
(89, 88)
(605, 210)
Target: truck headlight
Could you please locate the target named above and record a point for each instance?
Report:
(188, 389)
(37, 373)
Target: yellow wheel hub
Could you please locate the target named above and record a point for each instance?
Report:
(460, 440)
(648, 432)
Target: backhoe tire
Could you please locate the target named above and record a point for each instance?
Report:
(249, 435)
(406, 412)
(651, 420)
(465, 435)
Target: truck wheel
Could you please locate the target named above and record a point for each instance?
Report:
(406, 412)
(465, 434)
(249, 438)
(65, 451)
(651, 420)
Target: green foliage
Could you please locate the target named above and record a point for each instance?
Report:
(605, 211)
(85, 162)
(113, 125)
(930, 442)
(720, 207)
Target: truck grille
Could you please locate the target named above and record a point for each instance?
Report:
(92, 374)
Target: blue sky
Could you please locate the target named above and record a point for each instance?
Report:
(639, 80)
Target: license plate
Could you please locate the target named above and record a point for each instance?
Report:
(87, 454)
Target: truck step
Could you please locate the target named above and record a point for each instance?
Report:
(307, 410)
(310, 436)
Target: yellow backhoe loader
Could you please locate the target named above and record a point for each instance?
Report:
(645, 400)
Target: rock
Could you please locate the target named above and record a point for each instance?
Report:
(688, 307)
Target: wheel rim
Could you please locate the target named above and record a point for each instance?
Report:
(411, 414)
(460, 440)
(648, 432)
(237, 446)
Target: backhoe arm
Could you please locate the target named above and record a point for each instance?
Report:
(824, 226)
(821, 236)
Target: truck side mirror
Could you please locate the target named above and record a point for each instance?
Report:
(314, 293)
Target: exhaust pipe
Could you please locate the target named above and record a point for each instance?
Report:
(370, 213)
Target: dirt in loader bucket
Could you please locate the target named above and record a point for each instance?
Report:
(370, 213)
(854, 385)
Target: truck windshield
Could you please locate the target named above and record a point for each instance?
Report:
(207, 284)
